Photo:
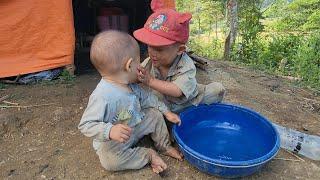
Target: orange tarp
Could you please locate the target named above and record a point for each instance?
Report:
(35, 35)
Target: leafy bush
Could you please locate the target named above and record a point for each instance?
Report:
(280, 53)
(296, 15)
(211, 50)
(307, 61)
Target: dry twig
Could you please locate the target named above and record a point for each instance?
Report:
(39, 105)
(295, 155)
(11, 103)
(284, 159)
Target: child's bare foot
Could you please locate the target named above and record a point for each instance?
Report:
(157, 164)
(175, 153)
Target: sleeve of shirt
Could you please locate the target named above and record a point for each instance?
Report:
(92, 124)
(186, 81)
(148, 100)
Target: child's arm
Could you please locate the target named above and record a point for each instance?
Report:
(92, 123)
(184, 85)
(164, 87)
(148, 99)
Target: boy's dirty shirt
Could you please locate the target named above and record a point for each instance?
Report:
(183, 74)
(109, 104)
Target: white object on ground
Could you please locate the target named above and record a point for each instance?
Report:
(298, 142)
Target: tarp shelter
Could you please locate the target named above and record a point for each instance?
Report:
(35, 35)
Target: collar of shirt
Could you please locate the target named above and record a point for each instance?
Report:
(107, 85)
(173, 68)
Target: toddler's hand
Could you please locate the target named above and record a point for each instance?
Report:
(172, 117)
(144, 75)
(120, 133)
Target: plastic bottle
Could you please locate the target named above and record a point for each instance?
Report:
(298, 142)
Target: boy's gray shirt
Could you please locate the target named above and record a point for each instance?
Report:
(109, 104)
(182, 73)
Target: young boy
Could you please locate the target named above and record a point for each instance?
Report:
(166, 32)
(120, 112)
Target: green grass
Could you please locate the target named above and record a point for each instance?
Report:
(2, 86)
(64, 78)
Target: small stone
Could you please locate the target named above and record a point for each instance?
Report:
(11, 172)
(43, 177)
(57, 152)
(2, 162)
(305, 127)
(43, 168)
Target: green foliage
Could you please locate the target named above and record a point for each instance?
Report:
(276, 9)
(64, 78)
(207, 20)
(249, 28)
(293, 54)
(279, 36)
(2, 86)
(299, 15)
(307, 60)
(313, 21)
(211, 50)
(280, 52)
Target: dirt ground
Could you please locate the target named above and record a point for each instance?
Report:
(44, 142)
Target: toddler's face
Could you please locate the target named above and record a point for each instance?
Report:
(163, 55)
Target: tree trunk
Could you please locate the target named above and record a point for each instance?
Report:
(233, 20)
(210, 29)
(227, 48)
(199, 27)
(216, 27)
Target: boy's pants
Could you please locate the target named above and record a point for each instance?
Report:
(115, 156)
(207, 94)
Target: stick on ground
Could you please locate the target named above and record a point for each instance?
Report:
(11, 103)
(284, 159)
(39, 105)
(295, 155)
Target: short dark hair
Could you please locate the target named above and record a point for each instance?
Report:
(111, 49)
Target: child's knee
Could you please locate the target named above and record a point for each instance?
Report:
(214, 92)
(222, 90)
(135, 158)
(108, 160)
(109, 165)
(114, 164)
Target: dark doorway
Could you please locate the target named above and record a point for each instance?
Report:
(92, 16)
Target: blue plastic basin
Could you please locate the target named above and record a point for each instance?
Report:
(226, 140)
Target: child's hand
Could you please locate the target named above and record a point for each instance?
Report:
(120, 133)
(144, 75)
(172, 117)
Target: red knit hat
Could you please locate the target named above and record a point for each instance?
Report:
(164, 27)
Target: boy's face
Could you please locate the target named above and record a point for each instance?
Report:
(163, 56)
